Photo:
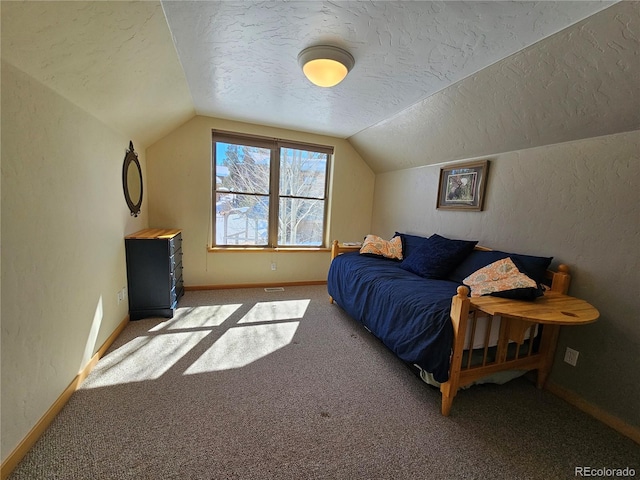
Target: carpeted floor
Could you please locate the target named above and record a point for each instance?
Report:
(248, 384)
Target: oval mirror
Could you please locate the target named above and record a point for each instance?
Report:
(132, 180)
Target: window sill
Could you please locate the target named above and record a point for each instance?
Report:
(267, 249)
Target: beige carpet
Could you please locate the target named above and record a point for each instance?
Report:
(248, 384)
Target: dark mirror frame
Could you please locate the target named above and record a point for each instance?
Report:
(131, 157)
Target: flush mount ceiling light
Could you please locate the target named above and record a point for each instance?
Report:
(325, 65)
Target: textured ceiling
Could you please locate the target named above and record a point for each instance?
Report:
(433, 81)
(240, 58)
(581, 82)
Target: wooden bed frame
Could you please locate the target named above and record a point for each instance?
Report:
(516, 318)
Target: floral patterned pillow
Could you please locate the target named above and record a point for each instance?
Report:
(502, 279)
(374, 245)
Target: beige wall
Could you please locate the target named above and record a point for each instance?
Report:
(179, 186)
(63, 222)
(575, 201)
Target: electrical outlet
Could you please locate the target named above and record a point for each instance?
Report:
(274, 266)
(571, 356)
(122, 294)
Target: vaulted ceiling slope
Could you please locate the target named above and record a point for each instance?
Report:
(582, 82)
(433, 80)
(115, 60)
(240, 58)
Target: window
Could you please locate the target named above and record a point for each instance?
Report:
(268, 192)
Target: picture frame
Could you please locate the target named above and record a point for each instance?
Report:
(462, 186)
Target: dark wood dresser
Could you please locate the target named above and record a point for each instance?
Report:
(154, 272)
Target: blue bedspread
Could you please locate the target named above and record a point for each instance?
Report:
(408, 313)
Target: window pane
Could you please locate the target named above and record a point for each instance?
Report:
(302, 173)
(300, 222)
(241, 219)
(242, 168)
(259, 181)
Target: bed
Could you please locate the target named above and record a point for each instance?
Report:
(432, 324)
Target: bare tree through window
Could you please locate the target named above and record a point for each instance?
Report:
(269, 195)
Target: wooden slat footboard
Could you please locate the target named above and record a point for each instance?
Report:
(518, 320)
(459, 317)
(517, 333)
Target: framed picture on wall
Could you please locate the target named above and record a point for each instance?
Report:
(462, 186)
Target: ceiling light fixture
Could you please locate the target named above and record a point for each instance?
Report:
(325, 65)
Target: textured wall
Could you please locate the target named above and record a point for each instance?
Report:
(576, 201)
(580, 83)
(179, 172)
(63, 221)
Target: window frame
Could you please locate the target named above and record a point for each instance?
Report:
(275, 145)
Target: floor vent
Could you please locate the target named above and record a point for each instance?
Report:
(274, 289)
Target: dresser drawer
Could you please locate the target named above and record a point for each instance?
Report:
(176, 292)
(175, 261)
(176, 275)
(175, 244)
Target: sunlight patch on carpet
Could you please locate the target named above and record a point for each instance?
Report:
(240, 346)
(196, 317)
(273, 311)
(138, 360)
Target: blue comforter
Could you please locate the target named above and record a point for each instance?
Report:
(408, 313)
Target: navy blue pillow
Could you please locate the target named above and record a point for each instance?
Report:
(532, 266)
(410, 243)
(436, 257)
